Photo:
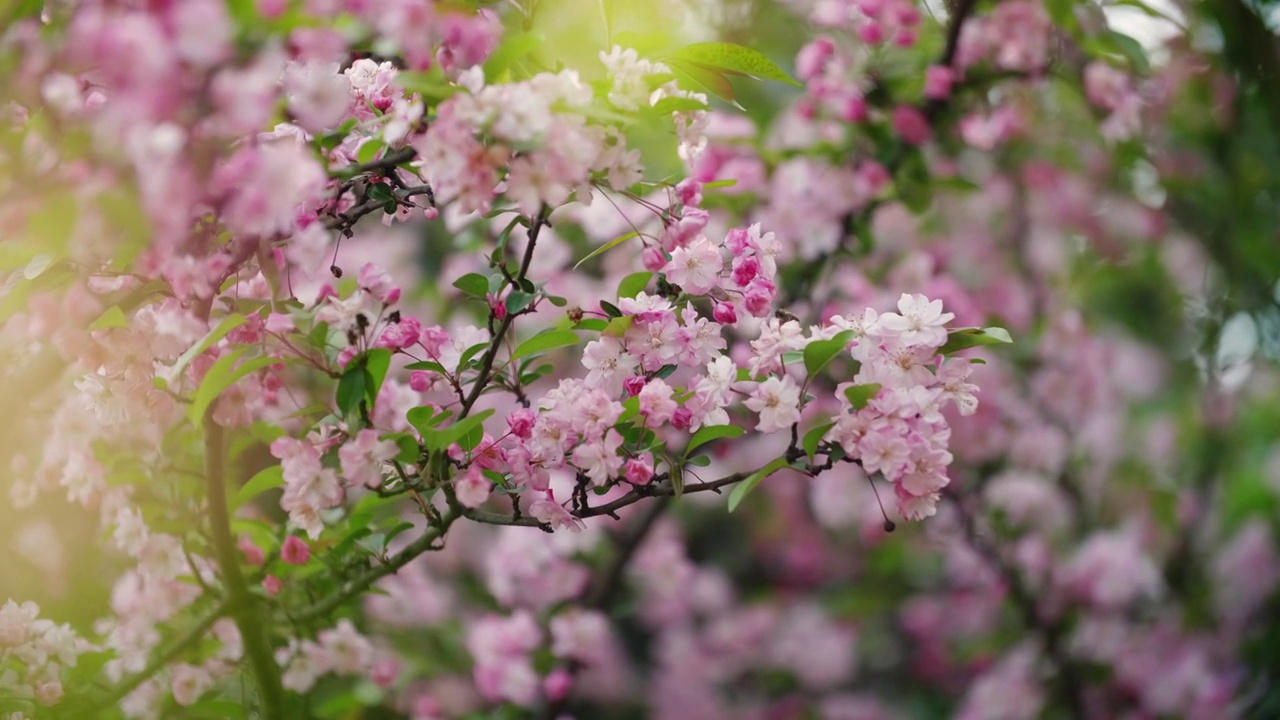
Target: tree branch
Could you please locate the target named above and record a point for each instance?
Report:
(358, 584)
(242, 605)
(188, 639)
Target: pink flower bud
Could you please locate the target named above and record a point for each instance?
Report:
(421, 380)
(911, 125)
(813, 57)
(295, 551)
(689, 191)
(759, 297)
(937, 82)
(272, 585)
(871, 33)
(521, 422)
(430, 213)
(557, 685)
(498, 307)
(745, 269)
(253, 554)
(724, 313)
(854, 109)
(633, 385)
(638, 471)
(681, 418)
(384, 673)
(653, 257)
(272, 9)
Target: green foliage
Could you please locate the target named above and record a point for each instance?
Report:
(545, 341)
(819, 353)
(711, 432)
(747, 486)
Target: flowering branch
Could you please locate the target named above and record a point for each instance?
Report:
(189, 639)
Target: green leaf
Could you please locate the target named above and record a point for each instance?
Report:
(369, 150)
(409, 450)
(819, 353)
(700, 78)
(606, 247)
(431, 365)
(718, 184)
(732, 58)
(618, 326)
(112, 318)
(712, 432)
(220, 377)
(1128, 47)
(431, 85)
(437, 440)
(633, 284)
(592, 324)
(378, 361)
(381, 192)
(677, 481)
(266, 478)
(510, 51)
(544, 342)
(677, 104)
(470, 353)
(860, 395)
(813, 438)
(473, 284)
(744, 488)
(352, 388)
(420, 418)
(966, 338)
(518, 301)
(229, 323)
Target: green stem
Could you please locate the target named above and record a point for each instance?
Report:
(244, 607)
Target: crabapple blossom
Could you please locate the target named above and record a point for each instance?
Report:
(495, 419)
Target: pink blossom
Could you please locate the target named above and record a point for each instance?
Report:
(724, 313)
(546, 510)
(384, 673)
(319, 96)
(472, 489)
(557, 684)
(921, 322)
(363, 457)
(937, 82)
(295, 551)
(272, 585)
(777, 400)
(188, 683)
(911, 125)
(695, 268)
(253, 554)
(639, 470)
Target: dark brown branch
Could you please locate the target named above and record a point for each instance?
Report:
(390, 161)
(495, 343)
